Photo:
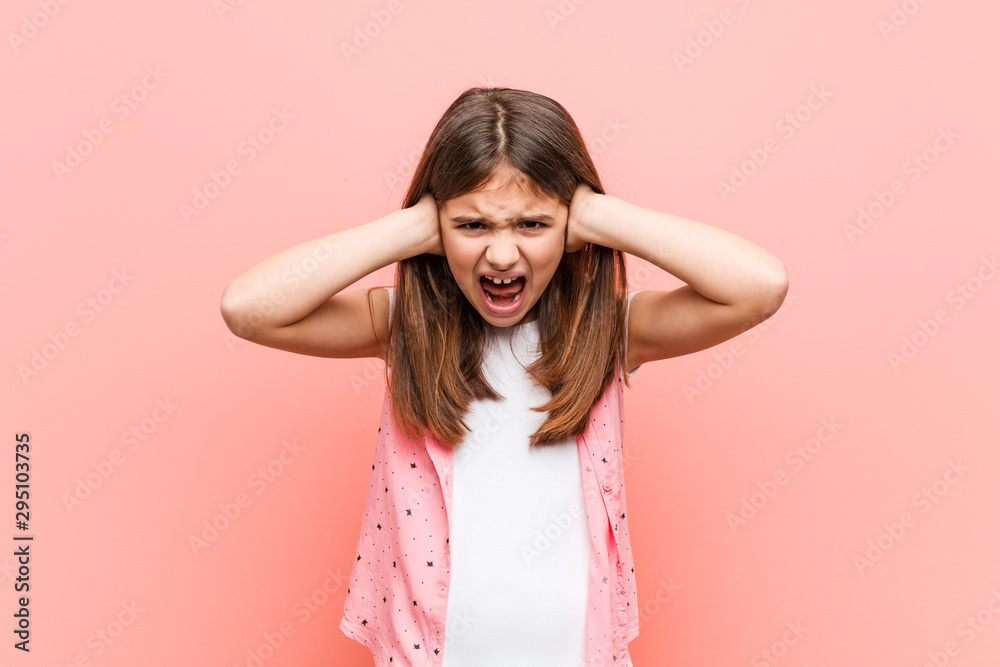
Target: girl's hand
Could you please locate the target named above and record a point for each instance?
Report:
(426, 209)
(575, 225)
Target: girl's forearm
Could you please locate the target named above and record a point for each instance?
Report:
(285, 288)
(718, 264)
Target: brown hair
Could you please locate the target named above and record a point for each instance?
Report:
(437, 338)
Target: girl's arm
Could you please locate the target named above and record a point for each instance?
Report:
(732, 284)
(291, 301)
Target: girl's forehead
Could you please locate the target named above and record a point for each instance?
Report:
(504, 195)
(507, 178)
(500, 209)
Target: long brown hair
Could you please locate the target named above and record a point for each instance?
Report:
(437, 338)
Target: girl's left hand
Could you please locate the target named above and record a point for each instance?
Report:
(574, 223)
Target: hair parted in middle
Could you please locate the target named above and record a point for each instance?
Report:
(437, 339)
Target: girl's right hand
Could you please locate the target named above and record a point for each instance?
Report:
(427, 210)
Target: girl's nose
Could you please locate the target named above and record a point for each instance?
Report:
(502, 251)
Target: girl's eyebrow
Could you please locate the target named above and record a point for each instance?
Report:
(540, 217)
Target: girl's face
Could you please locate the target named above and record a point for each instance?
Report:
(503, 230)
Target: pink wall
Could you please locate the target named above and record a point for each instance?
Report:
(856, 430)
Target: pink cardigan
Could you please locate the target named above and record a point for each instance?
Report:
(398, 592)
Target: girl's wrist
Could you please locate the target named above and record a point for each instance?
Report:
(589, 216)
(418, 227)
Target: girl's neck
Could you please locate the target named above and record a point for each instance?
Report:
(531, 320)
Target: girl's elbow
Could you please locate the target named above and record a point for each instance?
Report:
(227, 304)
(233, 311)
(773, 291)
(765, 294)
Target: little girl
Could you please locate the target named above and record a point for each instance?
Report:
(495, 530)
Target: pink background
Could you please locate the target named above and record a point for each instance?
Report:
(844, 546)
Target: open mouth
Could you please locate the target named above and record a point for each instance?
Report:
(504, 296)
